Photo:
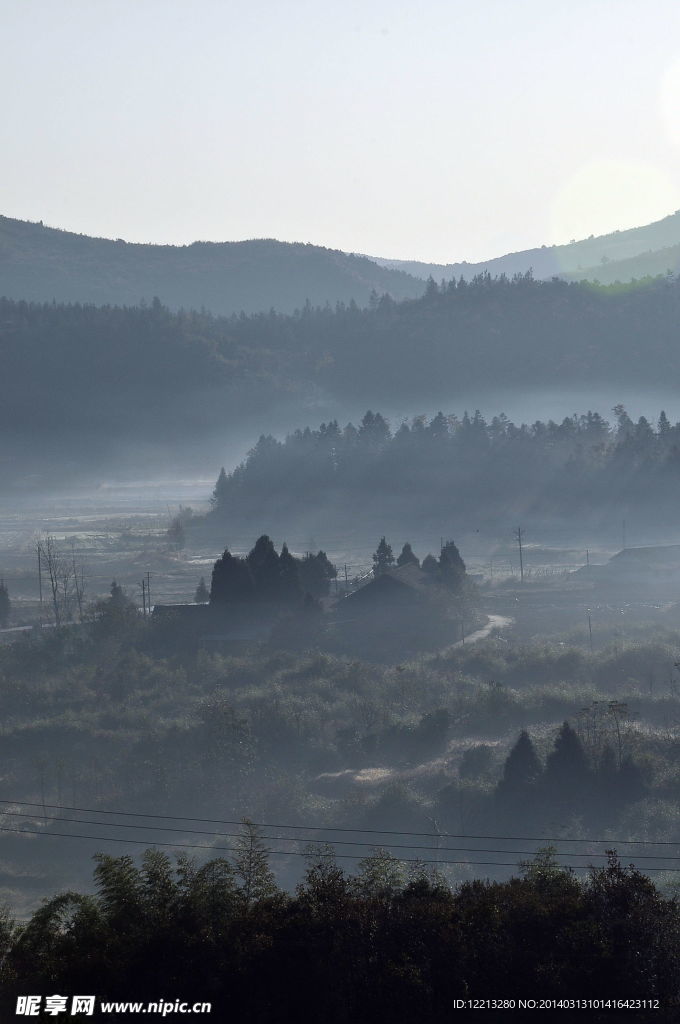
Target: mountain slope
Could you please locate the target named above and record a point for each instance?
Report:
(646, 264)
(578, 260)
(76, 378)
(41, 264)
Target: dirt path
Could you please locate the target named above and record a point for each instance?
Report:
(349, 776)
(495, 622)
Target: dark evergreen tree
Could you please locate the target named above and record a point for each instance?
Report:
(567, 773)
(5, 604)
(382, 557)
(430, 564)
(374, 431)
(232, 582)
(219, 494)
(263, 563)
(452, 565)
(521, 773)
(202, 595)
(316, 572)
(407, 557)
(117, 615)
(251, 865)
(290, 589)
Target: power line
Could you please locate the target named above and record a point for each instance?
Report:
(355, 829)
(292, 853)
(336, 842)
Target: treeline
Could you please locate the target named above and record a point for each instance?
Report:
(113, 371)
(571, 784)
(266, 577)
(465, 336)
(384, 944)
(583, 465)
(42, 263)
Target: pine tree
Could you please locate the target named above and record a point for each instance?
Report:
(251, 865)
(232, 581)
(5, 604)
(219, 494)
(263, 563)
(567, 772)
(383, 557)
(518, 791)
(452, 565)
(407, 557)
(316, 572)
(202, 595)
(290, 589)
(522, 768)
(430, 564)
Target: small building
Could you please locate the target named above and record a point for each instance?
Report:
(402, 586)
(209, 626)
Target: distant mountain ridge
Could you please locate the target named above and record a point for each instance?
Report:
(619, 256)
(39, 264)
(42, 264)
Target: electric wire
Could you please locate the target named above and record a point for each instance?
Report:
(329, 828)
(294, 853)
(335, 842)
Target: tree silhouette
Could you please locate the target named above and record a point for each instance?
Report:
(232, 582)
(567, 772)
(263, 563)
(452, 565)
(521, 773)
(219, 494)
(382, 557)
(407, 557)
(5, 604)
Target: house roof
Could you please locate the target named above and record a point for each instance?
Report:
(661, 556)
(399, 583)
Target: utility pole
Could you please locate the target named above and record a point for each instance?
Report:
(518, 535)
(148, 591)
(587, 557)
(590, 631)
(40, 581)
(143, 596)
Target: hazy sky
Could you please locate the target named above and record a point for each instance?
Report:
(439, 130)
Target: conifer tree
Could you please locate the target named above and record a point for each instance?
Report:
(522, 768)
(219, 494)
(566, 770)
(290, 589)
(407, 557)
(202, 595)
(232, 582)
(251, 865)
(316, 572)
(5, 604)
(263, 563)
(382, 557)
(452, 565)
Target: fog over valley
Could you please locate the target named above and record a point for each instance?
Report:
(340, 593)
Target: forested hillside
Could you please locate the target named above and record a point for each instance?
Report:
(482, 474)
(42, 264)
(385, 944)
(114, 372)
(612, 257)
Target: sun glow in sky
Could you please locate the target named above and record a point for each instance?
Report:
(442, 130)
